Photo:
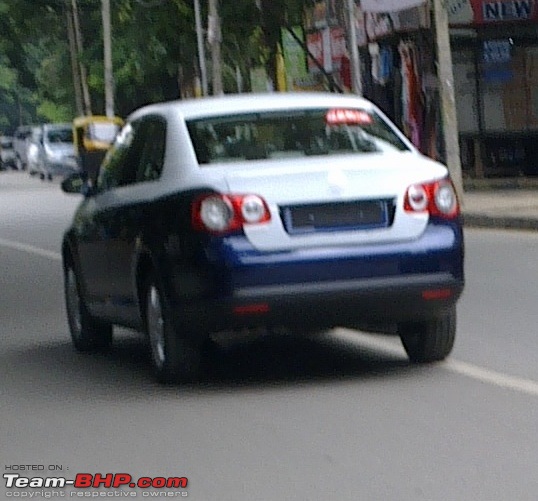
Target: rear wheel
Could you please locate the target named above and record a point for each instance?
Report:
(429, 341)
(175, 358)
(87, 333)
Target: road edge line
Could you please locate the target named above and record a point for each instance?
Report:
(30, 249)
(476, 372)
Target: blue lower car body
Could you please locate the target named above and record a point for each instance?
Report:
(233, 285)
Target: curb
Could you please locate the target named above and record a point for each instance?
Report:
(500, 222)
(518, 183)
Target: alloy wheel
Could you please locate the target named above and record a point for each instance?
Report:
(156, 327)
(73, 303)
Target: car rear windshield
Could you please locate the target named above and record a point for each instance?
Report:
(291, 134)
(60, 136)
(6, 144)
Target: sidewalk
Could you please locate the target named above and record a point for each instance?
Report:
(510, 204)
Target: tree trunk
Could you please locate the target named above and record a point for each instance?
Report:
(74, 66)
(82, 68)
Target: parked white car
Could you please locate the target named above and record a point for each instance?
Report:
(51, 151)
(57, 151)
(7, 153)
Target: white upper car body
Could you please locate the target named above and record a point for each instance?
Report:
(288, 178)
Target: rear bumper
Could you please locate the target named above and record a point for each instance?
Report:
(329, 304)
(241, 287)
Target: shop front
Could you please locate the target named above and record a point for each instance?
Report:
(399, 72)
(495, 58)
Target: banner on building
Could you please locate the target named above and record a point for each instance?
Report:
(314, 42)
(319, 46)
(379, 6)
(294, 57)
(338, 47)
(402, 21)
(483, 12)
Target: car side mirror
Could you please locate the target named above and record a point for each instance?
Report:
(77, 183)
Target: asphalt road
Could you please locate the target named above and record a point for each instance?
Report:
(342, 417)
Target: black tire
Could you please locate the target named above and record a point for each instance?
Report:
(87, 333)
(429, 341)
(175, 357)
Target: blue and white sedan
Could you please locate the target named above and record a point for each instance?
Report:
(296, 211)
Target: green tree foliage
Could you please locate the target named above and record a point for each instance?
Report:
(154, 43)
(30, 49)
(154, 51)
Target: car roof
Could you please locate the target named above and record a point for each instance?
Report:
(57, 126)
(251, 103)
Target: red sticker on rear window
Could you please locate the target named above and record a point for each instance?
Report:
(348, 117)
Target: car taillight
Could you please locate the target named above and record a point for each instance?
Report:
(438, 199)
(216, 213)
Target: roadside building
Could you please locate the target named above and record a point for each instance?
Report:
(397, 57)
(495, 65)
(495, 58)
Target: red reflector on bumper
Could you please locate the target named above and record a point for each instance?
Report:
(437, 294)
(251, 309)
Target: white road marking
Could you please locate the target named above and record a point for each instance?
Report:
(55, 256)
(514, 383)
(522, 385)
(392, 347)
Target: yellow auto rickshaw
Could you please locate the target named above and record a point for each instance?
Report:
(93, 135)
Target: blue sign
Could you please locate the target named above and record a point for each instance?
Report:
(496, 61)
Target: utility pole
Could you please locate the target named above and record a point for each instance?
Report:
(214, 39)
(107, 43)
(201, 48)
(356, 82)
(445, 76)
